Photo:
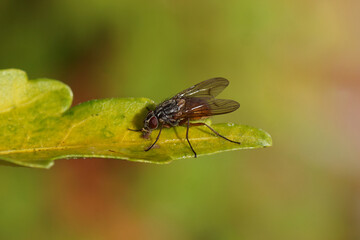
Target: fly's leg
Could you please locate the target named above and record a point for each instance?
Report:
(157, 138)
(134, 130)
(218, 134)
(187, 137)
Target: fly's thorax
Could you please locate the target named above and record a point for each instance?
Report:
(168, 111)
(169, 107)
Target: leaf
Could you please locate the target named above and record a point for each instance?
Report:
(38, 126)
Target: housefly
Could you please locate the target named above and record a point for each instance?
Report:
(196, 102)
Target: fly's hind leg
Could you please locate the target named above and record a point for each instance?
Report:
(217, 134)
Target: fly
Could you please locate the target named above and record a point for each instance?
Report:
(194, 103)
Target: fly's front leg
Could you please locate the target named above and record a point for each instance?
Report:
(157, 138)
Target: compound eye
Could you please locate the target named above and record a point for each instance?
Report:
(153, 123)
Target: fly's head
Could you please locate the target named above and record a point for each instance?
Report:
(151, 122)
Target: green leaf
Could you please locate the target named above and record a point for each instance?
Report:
(38, 126)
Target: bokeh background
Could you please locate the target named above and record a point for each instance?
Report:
(294, 66)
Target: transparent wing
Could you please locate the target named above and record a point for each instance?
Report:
(222, 106)
(208, 88)
(206, 107)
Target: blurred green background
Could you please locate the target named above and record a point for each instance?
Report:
(292, 65)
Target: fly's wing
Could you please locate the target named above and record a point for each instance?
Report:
(208, 88)
(222, 106)
(196, 108)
